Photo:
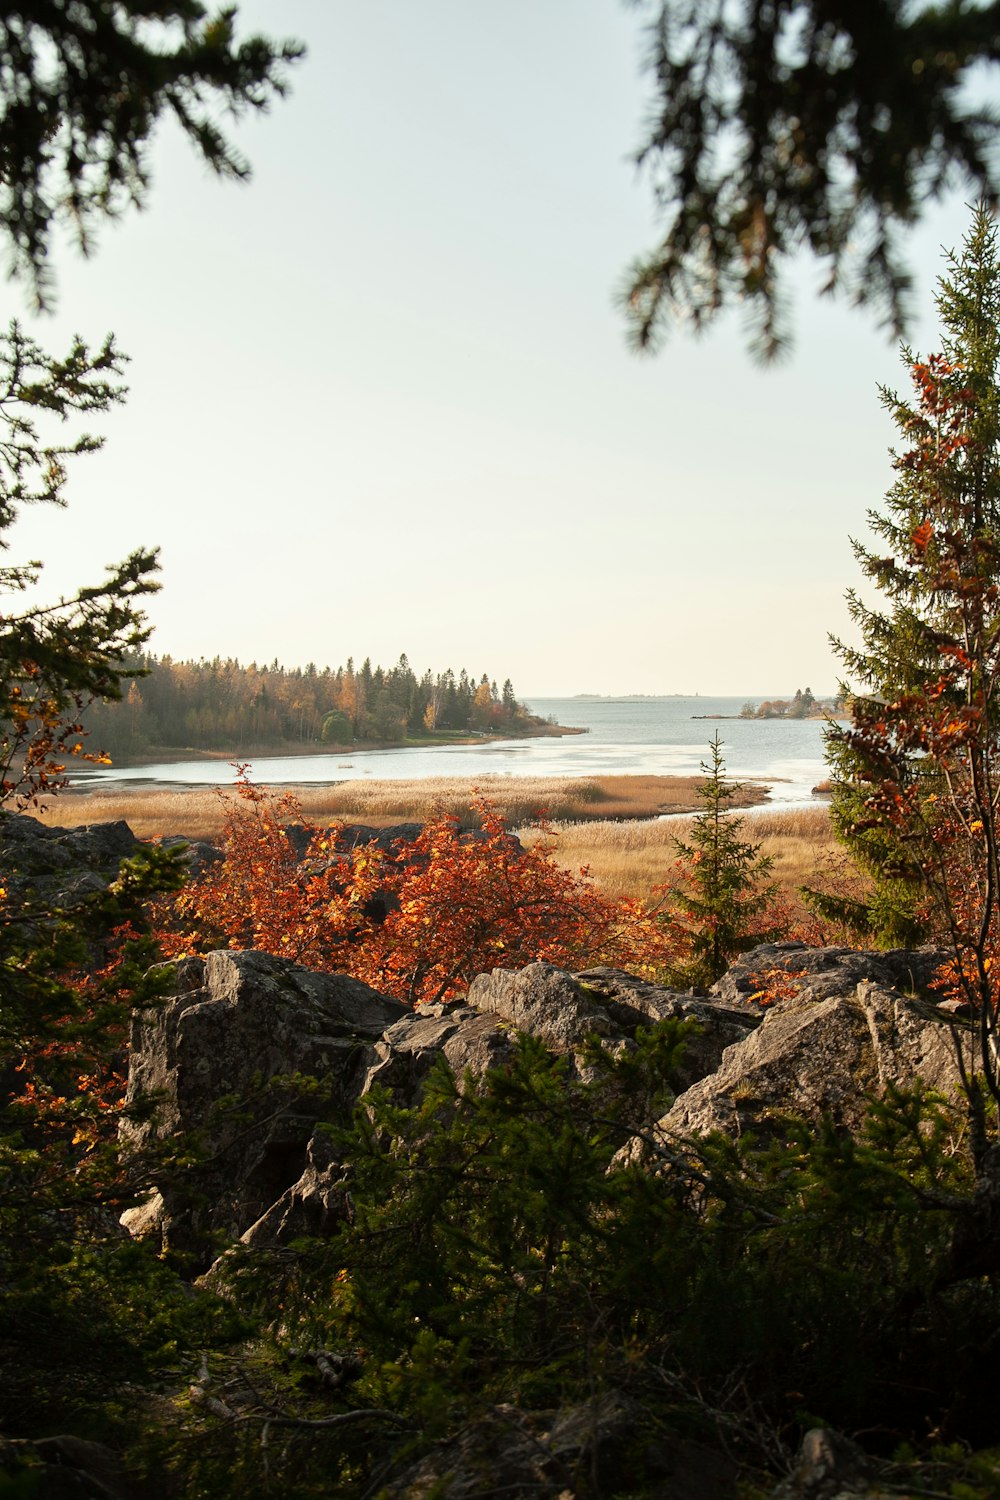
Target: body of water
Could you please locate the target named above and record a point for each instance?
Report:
(630, 736)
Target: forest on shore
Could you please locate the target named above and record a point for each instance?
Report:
(223, 706)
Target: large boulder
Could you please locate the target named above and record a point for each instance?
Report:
(816, 973)
(59, 863)
(466, 1039)
(713, 1026)
(825, 1050)
(563, 1009)
(251, 1054)
(560, 1008)
(248, 1053)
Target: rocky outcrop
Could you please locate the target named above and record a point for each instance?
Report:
(226, 1056)
(66, 861)
(713, 1027)
(251, 1054)
(826, 1050)
(817, 973)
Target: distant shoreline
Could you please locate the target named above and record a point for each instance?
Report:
(176, 755)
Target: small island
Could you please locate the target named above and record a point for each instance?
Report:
(804, 705)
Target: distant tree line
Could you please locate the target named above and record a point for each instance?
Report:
(222, 705)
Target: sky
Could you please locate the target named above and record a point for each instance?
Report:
(382, 399)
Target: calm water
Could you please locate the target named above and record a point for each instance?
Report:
(655, 736)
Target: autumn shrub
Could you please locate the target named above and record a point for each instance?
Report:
(418, 921)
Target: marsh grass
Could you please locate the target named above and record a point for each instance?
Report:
(198, 813)
(608, 823)
(631, 858)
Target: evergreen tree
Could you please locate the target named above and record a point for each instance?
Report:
(919, 768)
(915, 772)
(725, 899)
(83, 88)
(804, 123)
(55, 657)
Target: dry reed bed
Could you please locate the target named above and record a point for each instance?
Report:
(630, 859)
(198, 813)
(609, 823)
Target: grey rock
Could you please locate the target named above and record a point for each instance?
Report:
(211, 1055)
(32, 851)
(317, 1204)
(821, 972)
(632, 1002)
(236, 1022)
(405, 1054)
(198, 854)
(543, 1001)
(817, 1057)
(563, 1009)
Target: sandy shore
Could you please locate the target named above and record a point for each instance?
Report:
(199, 812)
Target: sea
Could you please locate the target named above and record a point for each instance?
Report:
(660, 736)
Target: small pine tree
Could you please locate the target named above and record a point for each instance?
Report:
(725, 902)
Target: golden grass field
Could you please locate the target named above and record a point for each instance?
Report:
(611, 824)
(199, 812)
(631, 858)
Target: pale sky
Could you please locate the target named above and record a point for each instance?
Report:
(382, 398)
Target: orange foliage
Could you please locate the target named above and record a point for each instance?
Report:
(419, 922)
(469, 903)
(72, 1080)
(263, 895)
(776, 984)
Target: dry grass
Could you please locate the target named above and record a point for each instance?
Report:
(198, 813)
(629, 859)
(609, 823)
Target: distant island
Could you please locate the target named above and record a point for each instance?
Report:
(175, 709)
(802, 706)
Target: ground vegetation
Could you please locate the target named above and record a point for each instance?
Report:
(199, 813)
